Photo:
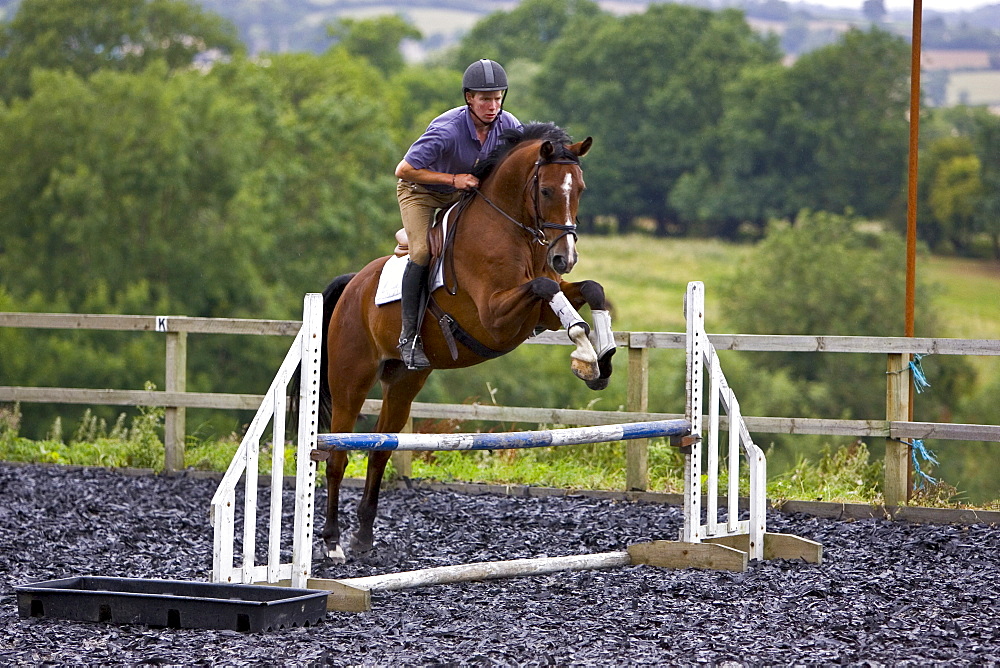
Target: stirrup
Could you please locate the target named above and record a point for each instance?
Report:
(412, 353)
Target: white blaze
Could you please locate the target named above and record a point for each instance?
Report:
(567, 189)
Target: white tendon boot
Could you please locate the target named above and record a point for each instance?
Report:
(601, 335)
(584, 358)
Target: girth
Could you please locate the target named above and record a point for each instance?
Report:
(454, 332)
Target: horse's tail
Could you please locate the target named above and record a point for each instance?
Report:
(331, 295)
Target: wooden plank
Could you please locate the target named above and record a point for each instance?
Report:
(548, 416)
(827, 344)
(559, 338)
(675, 554)
(148, 323)
(954, 432)
(776, 546)
(816, 426)
(342, 597)
(68, 395)
(659, 340)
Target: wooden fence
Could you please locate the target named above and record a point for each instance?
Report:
(896, 428)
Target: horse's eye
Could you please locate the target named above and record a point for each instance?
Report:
(546, 192)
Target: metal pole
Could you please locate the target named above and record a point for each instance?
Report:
(911, 203)
(911, 210)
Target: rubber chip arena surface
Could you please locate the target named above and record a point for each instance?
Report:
(888, 593)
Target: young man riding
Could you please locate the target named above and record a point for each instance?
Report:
(433, 174)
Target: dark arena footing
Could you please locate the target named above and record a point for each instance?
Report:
(887, 593)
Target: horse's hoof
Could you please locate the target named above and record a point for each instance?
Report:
(336, 554)
(361, 547)
(587, 371)
(599, 384)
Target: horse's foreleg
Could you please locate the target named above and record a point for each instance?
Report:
(512, 306)
(602, 336)
(584, 357)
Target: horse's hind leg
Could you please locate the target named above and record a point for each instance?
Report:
(399, 387)
(335, 467)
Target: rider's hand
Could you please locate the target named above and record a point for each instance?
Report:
(465, 181)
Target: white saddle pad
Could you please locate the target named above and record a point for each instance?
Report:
(390, 282)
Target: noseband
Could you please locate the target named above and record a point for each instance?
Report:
(540, 224)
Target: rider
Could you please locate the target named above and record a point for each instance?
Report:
(433, 174)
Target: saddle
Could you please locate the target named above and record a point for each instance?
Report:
(440, 240)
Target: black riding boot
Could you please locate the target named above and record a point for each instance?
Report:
(410, 347)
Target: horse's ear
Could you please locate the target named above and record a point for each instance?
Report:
(580, 148)
(546, 151)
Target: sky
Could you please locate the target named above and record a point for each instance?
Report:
(939, 5)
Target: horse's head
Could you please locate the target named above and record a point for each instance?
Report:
(554, 194)
(541, 162)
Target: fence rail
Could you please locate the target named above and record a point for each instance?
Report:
(175, 399)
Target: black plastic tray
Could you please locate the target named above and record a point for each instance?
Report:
(172, 603)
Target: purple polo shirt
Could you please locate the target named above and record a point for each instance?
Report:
(450, 145)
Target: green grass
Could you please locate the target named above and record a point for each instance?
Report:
(646, 277)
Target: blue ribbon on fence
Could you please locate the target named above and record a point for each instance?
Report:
(917, 447)
(919, 379)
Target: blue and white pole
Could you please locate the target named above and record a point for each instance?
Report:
(505, 441)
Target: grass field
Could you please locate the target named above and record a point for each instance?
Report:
(646, 277)
(973, 88)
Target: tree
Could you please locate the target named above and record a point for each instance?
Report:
(825, 275)
(987, 143)
(122, 178)
(85, 36)
(526, 32)
(827, 133)
(954, 198)
(959, 181)
(377, 39)
(649, 88)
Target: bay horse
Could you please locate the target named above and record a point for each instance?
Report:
(514, 238)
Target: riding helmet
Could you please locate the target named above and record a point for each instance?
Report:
(484, 75)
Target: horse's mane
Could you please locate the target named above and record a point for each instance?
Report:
(514, 136)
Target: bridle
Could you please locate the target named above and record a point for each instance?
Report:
(537, 230)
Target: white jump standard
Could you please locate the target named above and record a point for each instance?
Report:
(712, 537)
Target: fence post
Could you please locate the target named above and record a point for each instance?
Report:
(174, 418)
(637, 401)
(897, 454)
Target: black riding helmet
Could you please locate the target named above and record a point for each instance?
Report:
(485, 76)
